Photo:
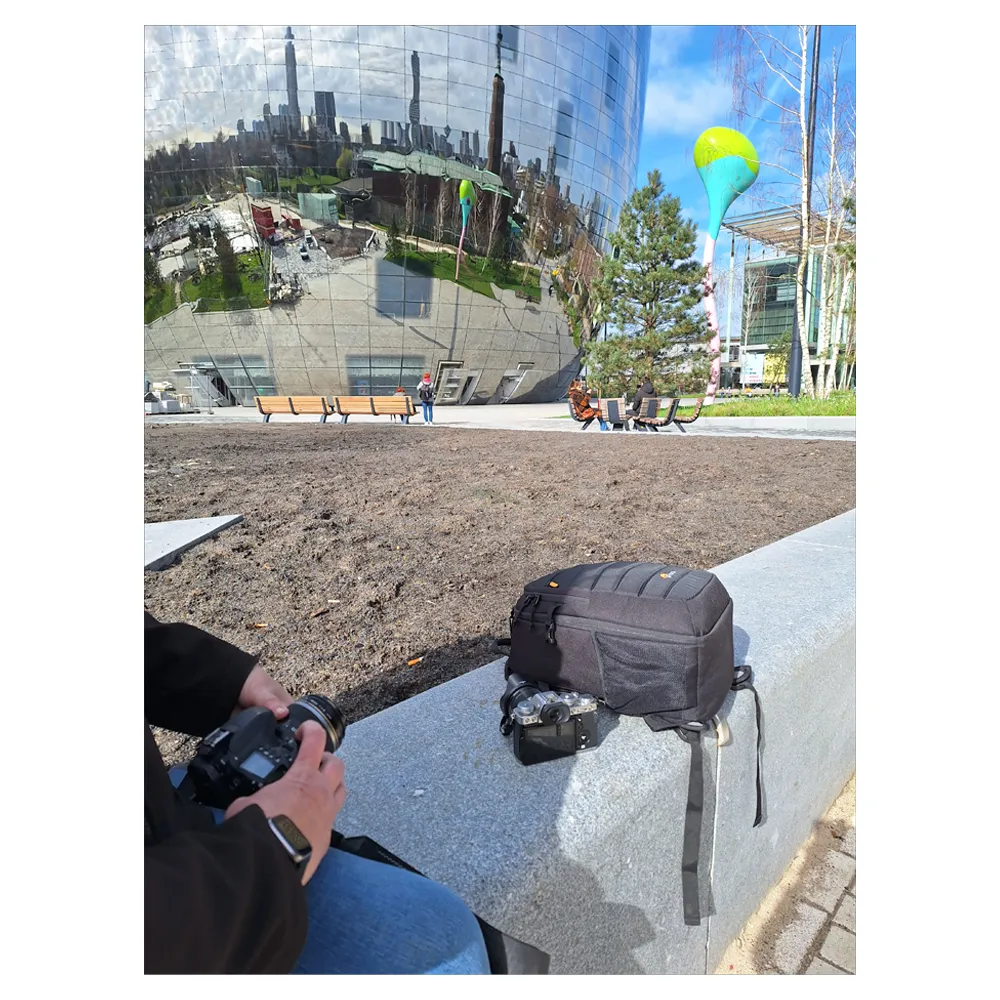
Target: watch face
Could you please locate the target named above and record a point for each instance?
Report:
(292, 834)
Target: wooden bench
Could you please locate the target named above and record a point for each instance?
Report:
(294, 405)
(648, 420)
(378, 406)
(613, 412)
(678, 421)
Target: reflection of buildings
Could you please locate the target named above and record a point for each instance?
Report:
(415, 100)
(292, 83)
(565, 147)
(326, 111)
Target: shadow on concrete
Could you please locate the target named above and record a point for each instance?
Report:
(608, 932)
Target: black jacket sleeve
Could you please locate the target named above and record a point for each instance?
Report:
(192, 678)
(226, 900)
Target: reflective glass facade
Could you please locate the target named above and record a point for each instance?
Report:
(345, 131)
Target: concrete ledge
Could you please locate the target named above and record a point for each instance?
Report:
(164, 541)
(581, 857)
(779, 423)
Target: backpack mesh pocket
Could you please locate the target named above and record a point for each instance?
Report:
(642, 676)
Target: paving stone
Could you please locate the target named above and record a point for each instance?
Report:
(845, 913)
(821, 968)
(847, 845)
(797, 937)
(825, 884)
(838, 948)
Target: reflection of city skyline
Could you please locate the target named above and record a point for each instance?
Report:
(310, 129)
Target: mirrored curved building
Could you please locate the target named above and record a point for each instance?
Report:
(302, 216)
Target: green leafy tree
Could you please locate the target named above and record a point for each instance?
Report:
(649, 286)
(151, 271)
(393, 244)
(344, 163)
(228, 265)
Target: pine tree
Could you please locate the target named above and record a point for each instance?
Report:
(228, 265)
(650, 288)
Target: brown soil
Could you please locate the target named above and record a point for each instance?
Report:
(365, 547)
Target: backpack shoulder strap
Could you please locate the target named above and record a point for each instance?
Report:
(692, 825)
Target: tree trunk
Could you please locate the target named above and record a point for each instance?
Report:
(800, 271)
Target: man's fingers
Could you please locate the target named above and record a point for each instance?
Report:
(333, 766)
(312, 744)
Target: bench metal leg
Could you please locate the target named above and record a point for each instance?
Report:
(405, 419)
(267, 417)
(322, 418)
(343, 419)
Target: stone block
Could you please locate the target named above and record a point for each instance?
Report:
(797, 937)
(820, 968)
(827, 880)
(164, 541)
(839, 948)
(846, 913)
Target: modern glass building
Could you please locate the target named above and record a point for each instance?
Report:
(330, 158)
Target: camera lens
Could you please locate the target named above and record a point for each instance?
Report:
(318, 708)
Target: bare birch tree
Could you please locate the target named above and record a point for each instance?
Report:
(771, 77)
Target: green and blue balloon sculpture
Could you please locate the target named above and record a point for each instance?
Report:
(466, 198)
(728, 164)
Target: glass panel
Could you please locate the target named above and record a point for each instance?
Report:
(428, 41)
(381, 34)
(385, 60)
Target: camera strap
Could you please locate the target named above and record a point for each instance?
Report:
(507, 955)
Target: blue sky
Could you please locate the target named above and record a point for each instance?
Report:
(688, 92)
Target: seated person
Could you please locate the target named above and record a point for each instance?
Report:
(645, 391)
(228, 892)
(580, 401)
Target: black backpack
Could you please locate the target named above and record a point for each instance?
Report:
(426, 393)
(645, 639)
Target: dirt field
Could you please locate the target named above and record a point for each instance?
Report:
(365, 547)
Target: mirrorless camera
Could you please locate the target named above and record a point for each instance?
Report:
(546, 724)
(253, 749)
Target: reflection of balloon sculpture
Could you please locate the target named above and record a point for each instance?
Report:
(466, 198)
(728, 165)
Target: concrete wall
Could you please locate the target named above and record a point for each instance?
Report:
(581, 857)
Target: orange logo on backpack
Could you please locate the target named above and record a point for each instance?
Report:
(552, 583)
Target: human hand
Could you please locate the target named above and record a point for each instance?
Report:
(311, 793)
(261, 691)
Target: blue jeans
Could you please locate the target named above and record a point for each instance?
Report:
(428, 412)
(367, 918)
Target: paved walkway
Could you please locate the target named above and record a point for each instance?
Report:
(531, 417)
(805, 926)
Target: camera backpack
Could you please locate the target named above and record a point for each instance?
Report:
(645, 639)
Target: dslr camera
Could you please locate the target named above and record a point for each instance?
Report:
(546, 724)
(253, 749)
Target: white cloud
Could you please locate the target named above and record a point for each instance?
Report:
(686, 102)
(682, 100)
(666, 41)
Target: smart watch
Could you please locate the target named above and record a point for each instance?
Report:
(292, 840)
